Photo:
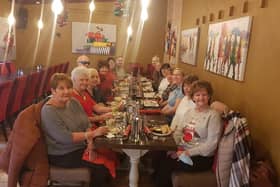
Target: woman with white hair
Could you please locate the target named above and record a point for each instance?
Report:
(93, 90)
(80, 78)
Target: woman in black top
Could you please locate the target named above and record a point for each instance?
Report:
(93, 90)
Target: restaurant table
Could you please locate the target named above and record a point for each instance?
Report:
(136, 150)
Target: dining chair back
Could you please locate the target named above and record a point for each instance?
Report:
(149, 71)
(11, 67)
(51, 70)
(65, 67)
(15, 100)
(30, 89)
(5, 91)
(43, 75)
(3, 69)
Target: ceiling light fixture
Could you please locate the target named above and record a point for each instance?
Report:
(11, 19)
(91, 6)
(57, 7)
(145, 4)
(40, 24)
(129, 31)
(144, 15)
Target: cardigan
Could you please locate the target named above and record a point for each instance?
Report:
(25, 156)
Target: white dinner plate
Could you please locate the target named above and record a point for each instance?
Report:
(160, 134)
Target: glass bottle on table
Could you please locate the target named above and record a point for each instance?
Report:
(137, 124)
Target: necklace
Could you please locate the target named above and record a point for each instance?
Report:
(78, 93)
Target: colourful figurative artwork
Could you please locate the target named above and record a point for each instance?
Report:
(189, 44)
(227, 48)
(99, 39)
(7, 41)
(171, 42)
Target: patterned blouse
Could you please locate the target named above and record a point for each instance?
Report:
(167, 91)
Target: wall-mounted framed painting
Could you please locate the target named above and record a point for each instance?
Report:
(227, 48)
(99, 39)
(7, 41)
(189, 45)
(171, 43)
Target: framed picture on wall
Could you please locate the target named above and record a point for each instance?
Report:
(171, 43)
(7, 41)
(227, 47)
(189, 45)
(99, 39)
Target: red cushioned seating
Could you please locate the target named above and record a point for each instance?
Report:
(5, 91)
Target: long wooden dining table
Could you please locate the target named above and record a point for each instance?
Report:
(136, 150)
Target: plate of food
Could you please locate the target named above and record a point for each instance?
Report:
(150, 103)
(147, 89)
(146, 84)
(118, 99)
(161, 130)
(149, 94)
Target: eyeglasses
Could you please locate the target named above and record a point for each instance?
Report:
(85, 62)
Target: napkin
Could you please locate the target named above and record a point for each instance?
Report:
(186, 159)
(150, 111)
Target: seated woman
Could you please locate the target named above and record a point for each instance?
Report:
(120, 71)
(112, 65)
(80, 79)
(106, 79)
(165, 70)
(92, 88)
(186, 103)
(171, 86)
(157, 76)
(175, 96)
(199, 134)
(65, 126)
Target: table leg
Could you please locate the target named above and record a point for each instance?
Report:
(134, 155)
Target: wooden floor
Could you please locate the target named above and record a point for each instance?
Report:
(121, 180)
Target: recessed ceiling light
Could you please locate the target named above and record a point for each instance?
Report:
(38, 2)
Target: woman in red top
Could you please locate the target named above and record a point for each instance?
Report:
(106, 157)
(80, 80)
(106, 79)
(112, 66)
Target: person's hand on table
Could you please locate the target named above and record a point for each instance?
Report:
(100, 131)
(120, 106)
(179, 152)
(106, 115)
(172, 154)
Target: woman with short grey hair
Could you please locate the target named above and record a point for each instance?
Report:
(80, 80)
